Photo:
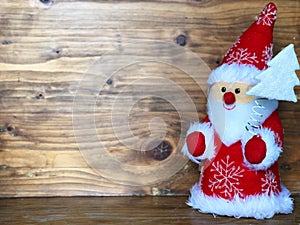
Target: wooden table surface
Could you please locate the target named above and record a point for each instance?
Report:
(119, 210)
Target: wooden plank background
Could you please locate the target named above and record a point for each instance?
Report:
(48, 49)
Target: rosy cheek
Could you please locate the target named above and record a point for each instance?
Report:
(243, 98)
(216, 94)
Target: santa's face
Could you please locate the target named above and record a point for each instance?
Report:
(231, 93)
(229, 109)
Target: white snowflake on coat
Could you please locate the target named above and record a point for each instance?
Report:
(241, 56)
(267, 16)
(267, 53)
(270, 184)
(226, 177)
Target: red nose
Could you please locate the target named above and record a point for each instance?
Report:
(229, 98)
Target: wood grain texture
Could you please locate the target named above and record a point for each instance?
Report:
(119, 210)
(47, 52)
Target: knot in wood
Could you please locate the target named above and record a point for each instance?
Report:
(181, 40)
(162, 151)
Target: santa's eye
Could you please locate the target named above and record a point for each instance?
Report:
(237, 90)
(223, 89)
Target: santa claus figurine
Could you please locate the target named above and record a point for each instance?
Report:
(239, 142)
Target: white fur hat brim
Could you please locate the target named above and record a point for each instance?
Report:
(234, 73)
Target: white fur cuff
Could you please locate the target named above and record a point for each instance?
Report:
(273, 150)
(207, 130)
(257, 206)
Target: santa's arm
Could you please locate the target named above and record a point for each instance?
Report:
(199, 141)
(263, 149)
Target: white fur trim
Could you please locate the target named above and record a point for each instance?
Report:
(257, 206)
(208, 132)
(234, 73)
(273, 150)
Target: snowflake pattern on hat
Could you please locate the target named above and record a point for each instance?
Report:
(267, 54)
(268, 15)
(254, 47)
(242, 56)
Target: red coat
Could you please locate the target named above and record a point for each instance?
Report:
(228, 174)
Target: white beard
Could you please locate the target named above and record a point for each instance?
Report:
(230, 125)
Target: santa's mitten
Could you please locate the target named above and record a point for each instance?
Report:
(198, 144)
(255, 150)
(261, 150)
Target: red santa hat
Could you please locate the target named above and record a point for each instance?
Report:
(251, 52)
